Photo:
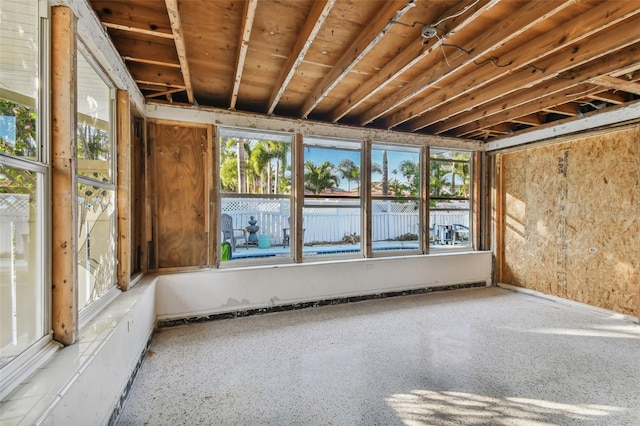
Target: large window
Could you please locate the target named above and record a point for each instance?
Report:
(449, 188)
(96, 225)
(395, 198)
(255, 186)
(23, 185)
(332, 213)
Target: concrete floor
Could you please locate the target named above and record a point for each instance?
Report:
(465, 357)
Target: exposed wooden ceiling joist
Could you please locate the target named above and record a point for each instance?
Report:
(549, 94)
(416, 51)
(479, 52)
(531, 63)
(529, 119)
(617, 84)
(610, 97)
(416, 87)
(176, 27)
(556, 67)
(487, 68)
(121, 27)
(392, 12)
(314, 22)
(245, 34)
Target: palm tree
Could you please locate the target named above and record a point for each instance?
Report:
(279, 151)
(319, 178)
(385, 174)
(349, 170)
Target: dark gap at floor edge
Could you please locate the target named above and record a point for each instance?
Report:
(317, 303)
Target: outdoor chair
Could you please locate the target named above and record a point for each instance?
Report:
(285, 233)
(229, 233)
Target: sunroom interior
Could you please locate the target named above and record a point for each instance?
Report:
(169, 162)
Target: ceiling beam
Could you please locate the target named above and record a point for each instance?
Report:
(546, 95)
(319, 12)
(592, 120)
(435, 74)
(129, 28)
(163, 76)
(543, 47)
(415, 52)
(570, 109)
(163, 93)
(178, 36)
(243, 45)
(150, 62)
(617, 84)
(529, 119)
(609, 97)
(392, 11)
(550, 68)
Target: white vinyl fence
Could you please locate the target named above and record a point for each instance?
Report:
(331, 220)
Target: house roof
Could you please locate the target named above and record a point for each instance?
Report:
(476, 69)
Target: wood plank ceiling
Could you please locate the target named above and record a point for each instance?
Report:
(476, 69)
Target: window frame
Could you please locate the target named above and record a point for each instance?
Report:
(226, 132)
(92, 307)
(358, 146)
(468, 246)
(38, 352)
(418, 199)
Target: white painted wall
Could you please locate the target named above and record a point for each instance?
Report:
(180, 295)
(94, 388)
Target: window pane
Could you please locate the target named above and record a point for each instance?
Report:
(21, 266)
(394, 172)
(256, 227)
(19, 76)
(333, 172)
(94, 123)
(96, 243)
(255, 163)
(255, 180)
(450, 213)
(331, 227)
(395, 225)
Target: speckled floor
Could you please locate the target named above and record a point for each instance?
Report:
(466, 357)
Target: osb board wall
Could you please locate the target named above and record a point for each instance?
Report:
(180, 157)
(571, 220)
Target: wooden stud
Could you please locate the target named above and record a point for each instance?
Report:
(392, 11)
(498, 197)
(245, 34)
(213, 187)
(425, 199)
(366, 201)
(319, 12)
(124, 193)
(476, 198)
(297, 240)
(64, 211)
(178, 36)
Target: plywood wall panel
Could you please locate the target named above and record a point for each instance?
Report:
(180, 160)
(571, 220)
